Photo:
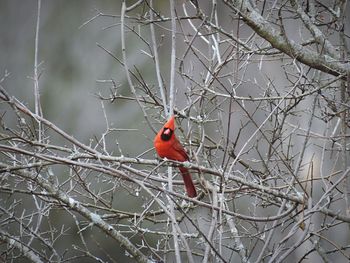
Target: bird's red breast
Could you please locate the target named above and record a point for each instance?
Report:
(167, 145)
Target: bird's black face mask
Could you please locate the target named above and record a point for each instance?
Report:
(166, 134)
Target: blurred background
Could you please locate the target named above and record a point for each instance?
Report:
(72, 66)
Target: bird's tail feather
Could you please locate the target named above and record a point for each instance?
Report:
(186, 176)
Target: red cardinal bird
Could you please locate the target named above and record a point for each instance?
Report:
(168, 146)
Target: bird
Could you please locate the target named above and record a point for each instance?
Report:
(168, 146)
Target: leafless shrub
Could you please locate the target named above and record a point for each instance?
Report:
(261, 91)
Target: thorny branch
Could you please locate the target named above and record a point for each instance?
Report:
(262, 110)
